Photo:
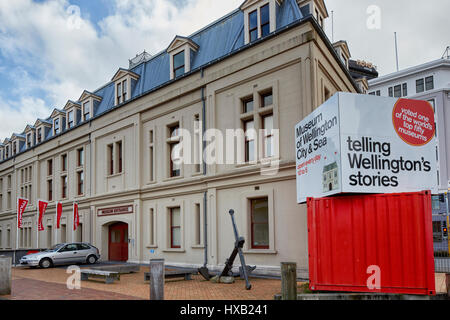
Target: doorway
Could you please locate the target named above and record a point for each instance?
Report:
(118, 242)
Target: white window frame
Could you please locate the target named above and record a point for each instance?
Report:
(256, 90)
(83, 111)
(29, 143)
(257, 6)
(59, 126)
(120, 83)
(178, 45)
(201, 243)
(184, 64)
(40, 130)
(120, 77)
(74, 120)
(150, 222)
(115, 157)
(246, 219)
(187, 59)
(152, 155)
(174, 119)
(167, 226)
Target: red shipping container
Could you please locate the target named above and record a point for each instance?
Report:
(351, 236)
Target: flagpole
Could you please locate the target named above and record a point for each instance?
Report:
(73, 224)
(17, 230)
(37, 225)
(56, 223)
(17, 225)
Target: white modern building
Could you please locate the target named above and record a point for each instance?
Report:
(429, 81)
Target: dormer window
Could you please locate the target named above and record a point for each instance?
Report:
(73, 113)
(89, 102)
(260, 18)
(180, 51)
(86, 110)
(70, 119)
(30, 136)
(44, 127)
(341, 48)
(265, 20)
(253, 25)
(124, 82)
(56, 127)
(39, 135)
(18, 142)
(122, 92)
(178, 64)
(59, 120)
(29, 140)
(7, 152)
(316, 8)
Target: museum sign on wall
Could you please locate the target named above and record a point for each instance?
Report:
(357, 143)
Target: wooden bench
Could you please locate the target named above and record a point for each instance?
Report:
(187, 275)
(108, 276)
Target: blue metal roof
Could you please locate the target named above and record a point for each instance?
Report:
(215, 41)
(287, 13)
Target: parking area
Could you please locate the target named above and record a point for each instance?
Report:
(50, 284)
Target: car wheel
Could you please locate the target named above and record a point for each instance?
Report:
(45, 263)
(91, 259)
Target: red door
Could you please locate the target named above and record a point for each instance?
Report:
(118, 242)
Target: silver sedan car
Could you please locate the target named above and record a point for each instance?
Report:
(63, 254)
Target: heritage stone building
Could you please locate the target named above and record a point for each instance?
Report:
(265, 65)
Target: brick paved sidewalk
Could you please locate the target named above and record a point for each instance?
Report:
(29, 289)
(50, 284)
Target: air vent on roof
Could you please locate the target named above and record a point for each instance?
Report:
(140, 58)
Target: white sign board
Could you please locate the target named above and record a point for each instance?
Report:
(357, 143)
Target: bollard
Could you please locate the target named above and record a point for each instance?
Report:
(5, 275)
(288, 281)
(157, 279)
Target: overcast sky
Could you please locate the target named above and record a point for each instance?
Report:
(422, 30)
(50, 51)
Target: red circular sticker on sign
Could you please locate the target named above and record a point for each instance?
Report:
(414, 121)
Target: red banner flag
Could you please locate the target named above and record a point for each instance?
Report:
(76, 217)
(58, 214)
(42, 207)
(21, 206)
